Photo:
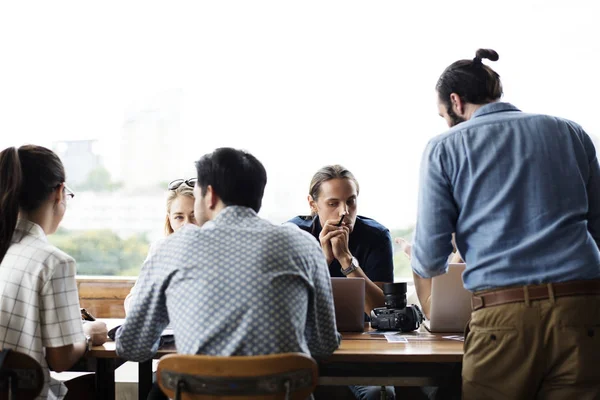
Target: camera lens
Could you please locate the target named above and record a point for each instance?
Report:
(395, 294)
(394, 288)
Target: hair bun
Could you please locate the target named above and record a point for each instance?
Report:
(486, 53)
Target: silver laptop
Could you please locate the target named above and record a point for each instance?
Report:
(450, 302)
(349, 303)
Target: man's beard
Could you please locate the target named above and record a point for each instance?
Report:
(454, 119)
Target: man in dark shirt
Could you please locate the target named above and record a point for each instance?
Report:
(353, 246)
(369, 242)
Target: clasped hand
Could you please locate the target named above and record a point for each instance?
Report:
(334, 241)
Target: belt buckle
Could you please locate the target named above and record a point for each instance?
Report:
(477, 303)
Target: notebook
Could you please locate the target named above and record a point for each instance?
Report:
(349, 303)
(450, 302)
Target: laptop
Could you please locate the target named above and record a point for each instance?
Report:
(450, 302)
(349, 303)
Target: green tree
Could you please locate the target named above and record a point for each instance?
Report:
(102, 252)
(99, 180)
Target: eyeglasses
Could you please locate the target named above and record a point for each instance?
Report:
(68, 192)
(173, 185)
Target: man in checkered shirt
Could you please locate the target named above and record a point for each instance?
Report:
(239, 285)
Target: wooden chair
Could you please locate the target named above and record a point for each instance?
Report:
(275, 376)
(21, 377)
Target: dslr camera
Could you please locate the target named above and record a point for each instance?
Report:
(396, 315)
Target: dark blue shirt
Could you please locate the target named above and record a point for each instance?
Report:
(370, 243)
(522, 193)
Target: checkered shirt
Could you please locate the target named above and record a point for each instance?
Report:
(239, 285)
(39, 303)
(129, 297)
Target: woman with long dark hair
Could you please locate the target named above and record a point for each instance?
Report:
(39, 303)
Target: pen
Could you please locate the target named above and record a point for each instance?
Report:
(341, 220)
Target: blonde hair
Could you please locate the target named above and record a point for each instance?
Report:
(182, 190)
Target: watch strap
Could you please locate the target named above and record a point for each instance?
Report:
(351, 268)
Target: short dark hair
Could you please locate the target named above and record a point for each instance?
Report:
(27, 177)
(236, 176)
(473, 81)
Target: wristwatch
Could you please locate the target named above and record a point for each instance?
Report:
(351, 268)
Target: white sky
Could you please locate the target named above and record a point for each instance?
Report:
(299, 84)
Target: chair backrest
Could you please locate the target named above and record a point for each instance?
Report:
(21, 377)
(275, 376)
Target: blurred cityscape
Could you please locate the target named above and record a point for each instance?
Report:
(143, 162)
(120, 209)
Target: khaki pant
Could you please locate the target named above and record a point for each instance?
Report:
(547, 349)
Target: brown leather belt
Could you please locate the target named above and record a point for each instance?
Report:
(534, 292)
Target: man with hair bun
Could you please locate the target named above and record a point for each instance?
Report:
(522, 193)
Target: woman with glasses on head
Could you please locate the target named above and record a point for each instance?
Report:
(180, 211)
(39, 304)
(180, 205)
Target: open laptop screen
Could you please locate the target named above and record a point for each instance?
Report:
(450, 302)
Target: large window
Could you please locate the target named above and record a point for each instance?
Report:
(130, 95)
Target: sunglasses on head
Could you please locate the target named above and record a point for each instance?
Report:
(173, 185)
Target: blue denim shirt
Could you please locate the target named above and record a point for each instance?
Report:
(522, 193)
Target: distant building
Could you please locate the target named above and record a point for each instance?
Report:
(151, 142)
(79, 158)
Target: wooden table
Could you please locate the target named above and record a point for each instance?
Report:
(366, 359)
(362, 359)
